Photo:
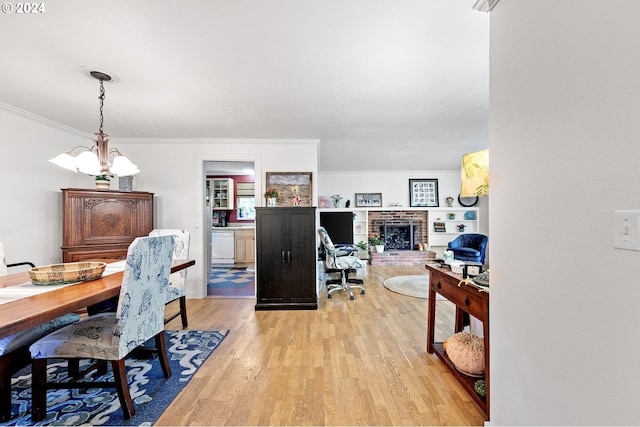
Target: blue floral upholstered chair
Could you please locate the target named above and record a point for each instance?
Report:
(14, 349)
(177, 281)
(113, 336)
(339, 262)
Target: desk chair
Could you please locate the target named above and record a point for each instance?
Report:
(177, 289)
(337, 260)
(14, 349)
(112, 336)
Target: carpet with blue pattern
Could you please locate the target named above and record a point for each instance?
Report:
(150, 391)
(231, 283)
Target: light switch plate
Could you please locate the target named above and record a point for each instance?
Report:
(626, 231)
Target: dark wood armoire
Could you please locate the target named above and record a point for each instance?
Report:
(102, 224)
(286, 258)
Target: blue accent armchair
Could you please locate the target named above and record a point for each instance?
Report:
(469, 247)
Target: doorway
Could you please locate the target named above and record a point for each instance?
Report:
(229, 232)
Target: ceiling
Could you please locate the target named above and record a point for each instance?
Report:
(384, 84)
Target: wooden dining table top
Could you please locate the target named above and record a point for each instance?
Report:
(26, 313)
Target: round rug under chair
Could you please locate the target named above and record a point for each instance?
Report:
(413, 286)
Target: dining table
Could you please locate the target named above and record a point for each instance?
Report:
(29, 311)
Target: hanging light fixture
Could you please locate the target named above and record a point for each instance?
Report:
(95, 160)
(474, 175)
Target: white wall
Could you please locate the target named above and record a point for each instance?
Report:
(31, 203)
(564, 130)
(174, 170)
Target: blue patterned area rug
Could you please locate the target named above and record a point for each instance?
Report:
(150, 391)
(230, 278)
(231, 283)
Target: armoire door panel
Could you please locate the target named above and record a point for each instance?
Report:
(109, 221)
(102, 224)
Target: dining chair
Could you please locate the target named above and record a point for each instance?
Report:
(14, 349)
(112, 336)
(177, 289)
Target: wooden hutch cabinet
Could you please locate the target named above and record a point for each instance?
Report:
(286, 258)
(102, 224)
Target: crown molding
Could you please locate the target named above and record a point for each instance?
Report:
(485, 5)
(217, 140)
(43, 120)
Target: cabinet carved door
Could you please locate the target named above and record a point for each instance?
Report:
(102, 224)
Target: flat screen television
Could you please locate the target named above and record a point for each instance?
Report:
(339, 225)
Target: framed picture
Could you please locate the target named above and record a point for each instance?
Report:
(423, 193)
(323, 202)
(294, 188)
(368, 200)
(439, 227)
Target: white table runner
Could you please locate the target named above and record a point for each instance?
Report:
(27, 289)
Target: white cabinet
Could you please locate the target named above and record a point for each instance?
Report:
(445, 224)
(360, 233)
(222, 194)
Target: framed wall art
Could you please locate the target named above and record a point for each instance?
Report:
(423, 193)
(294, 188)
(366, 200)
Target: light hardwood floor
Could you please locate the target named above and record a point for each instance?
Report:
(360, 362)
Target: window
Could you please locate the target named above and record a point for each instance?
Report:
(246, 208)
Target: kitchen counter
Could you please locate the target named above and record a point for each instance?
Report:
(234, 227)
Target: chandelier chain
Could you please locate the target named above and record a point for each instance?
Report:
(101, 98)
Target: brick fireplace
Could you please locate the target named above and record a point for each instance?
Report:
(418, 219)
(402, 231)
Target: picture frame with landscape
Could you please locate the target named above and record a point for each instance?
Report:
(294, 188)
(366, 200)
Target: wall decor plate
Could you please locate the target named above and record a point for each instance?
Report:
(470, 215)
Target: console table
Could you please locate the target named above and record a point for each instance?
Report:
(467, 298)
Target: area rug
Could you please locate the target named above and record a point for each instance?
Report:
(150, 391)
(230, 278)
(413, 286)
(231, 283)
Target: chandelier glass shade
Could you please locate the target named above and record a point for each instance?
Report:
(96, 160)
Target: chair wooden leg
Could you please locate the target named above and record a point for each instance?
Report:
(5, 395)
(162, 354)
(38, 389)
(73, 367)
(122, 387)
(183, 311)
(10, 363)
(101, 367)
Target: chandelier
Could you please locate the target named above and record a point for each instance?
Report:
(95, 160)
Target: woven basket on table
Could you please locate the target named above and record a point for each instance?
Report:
(69, 272)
